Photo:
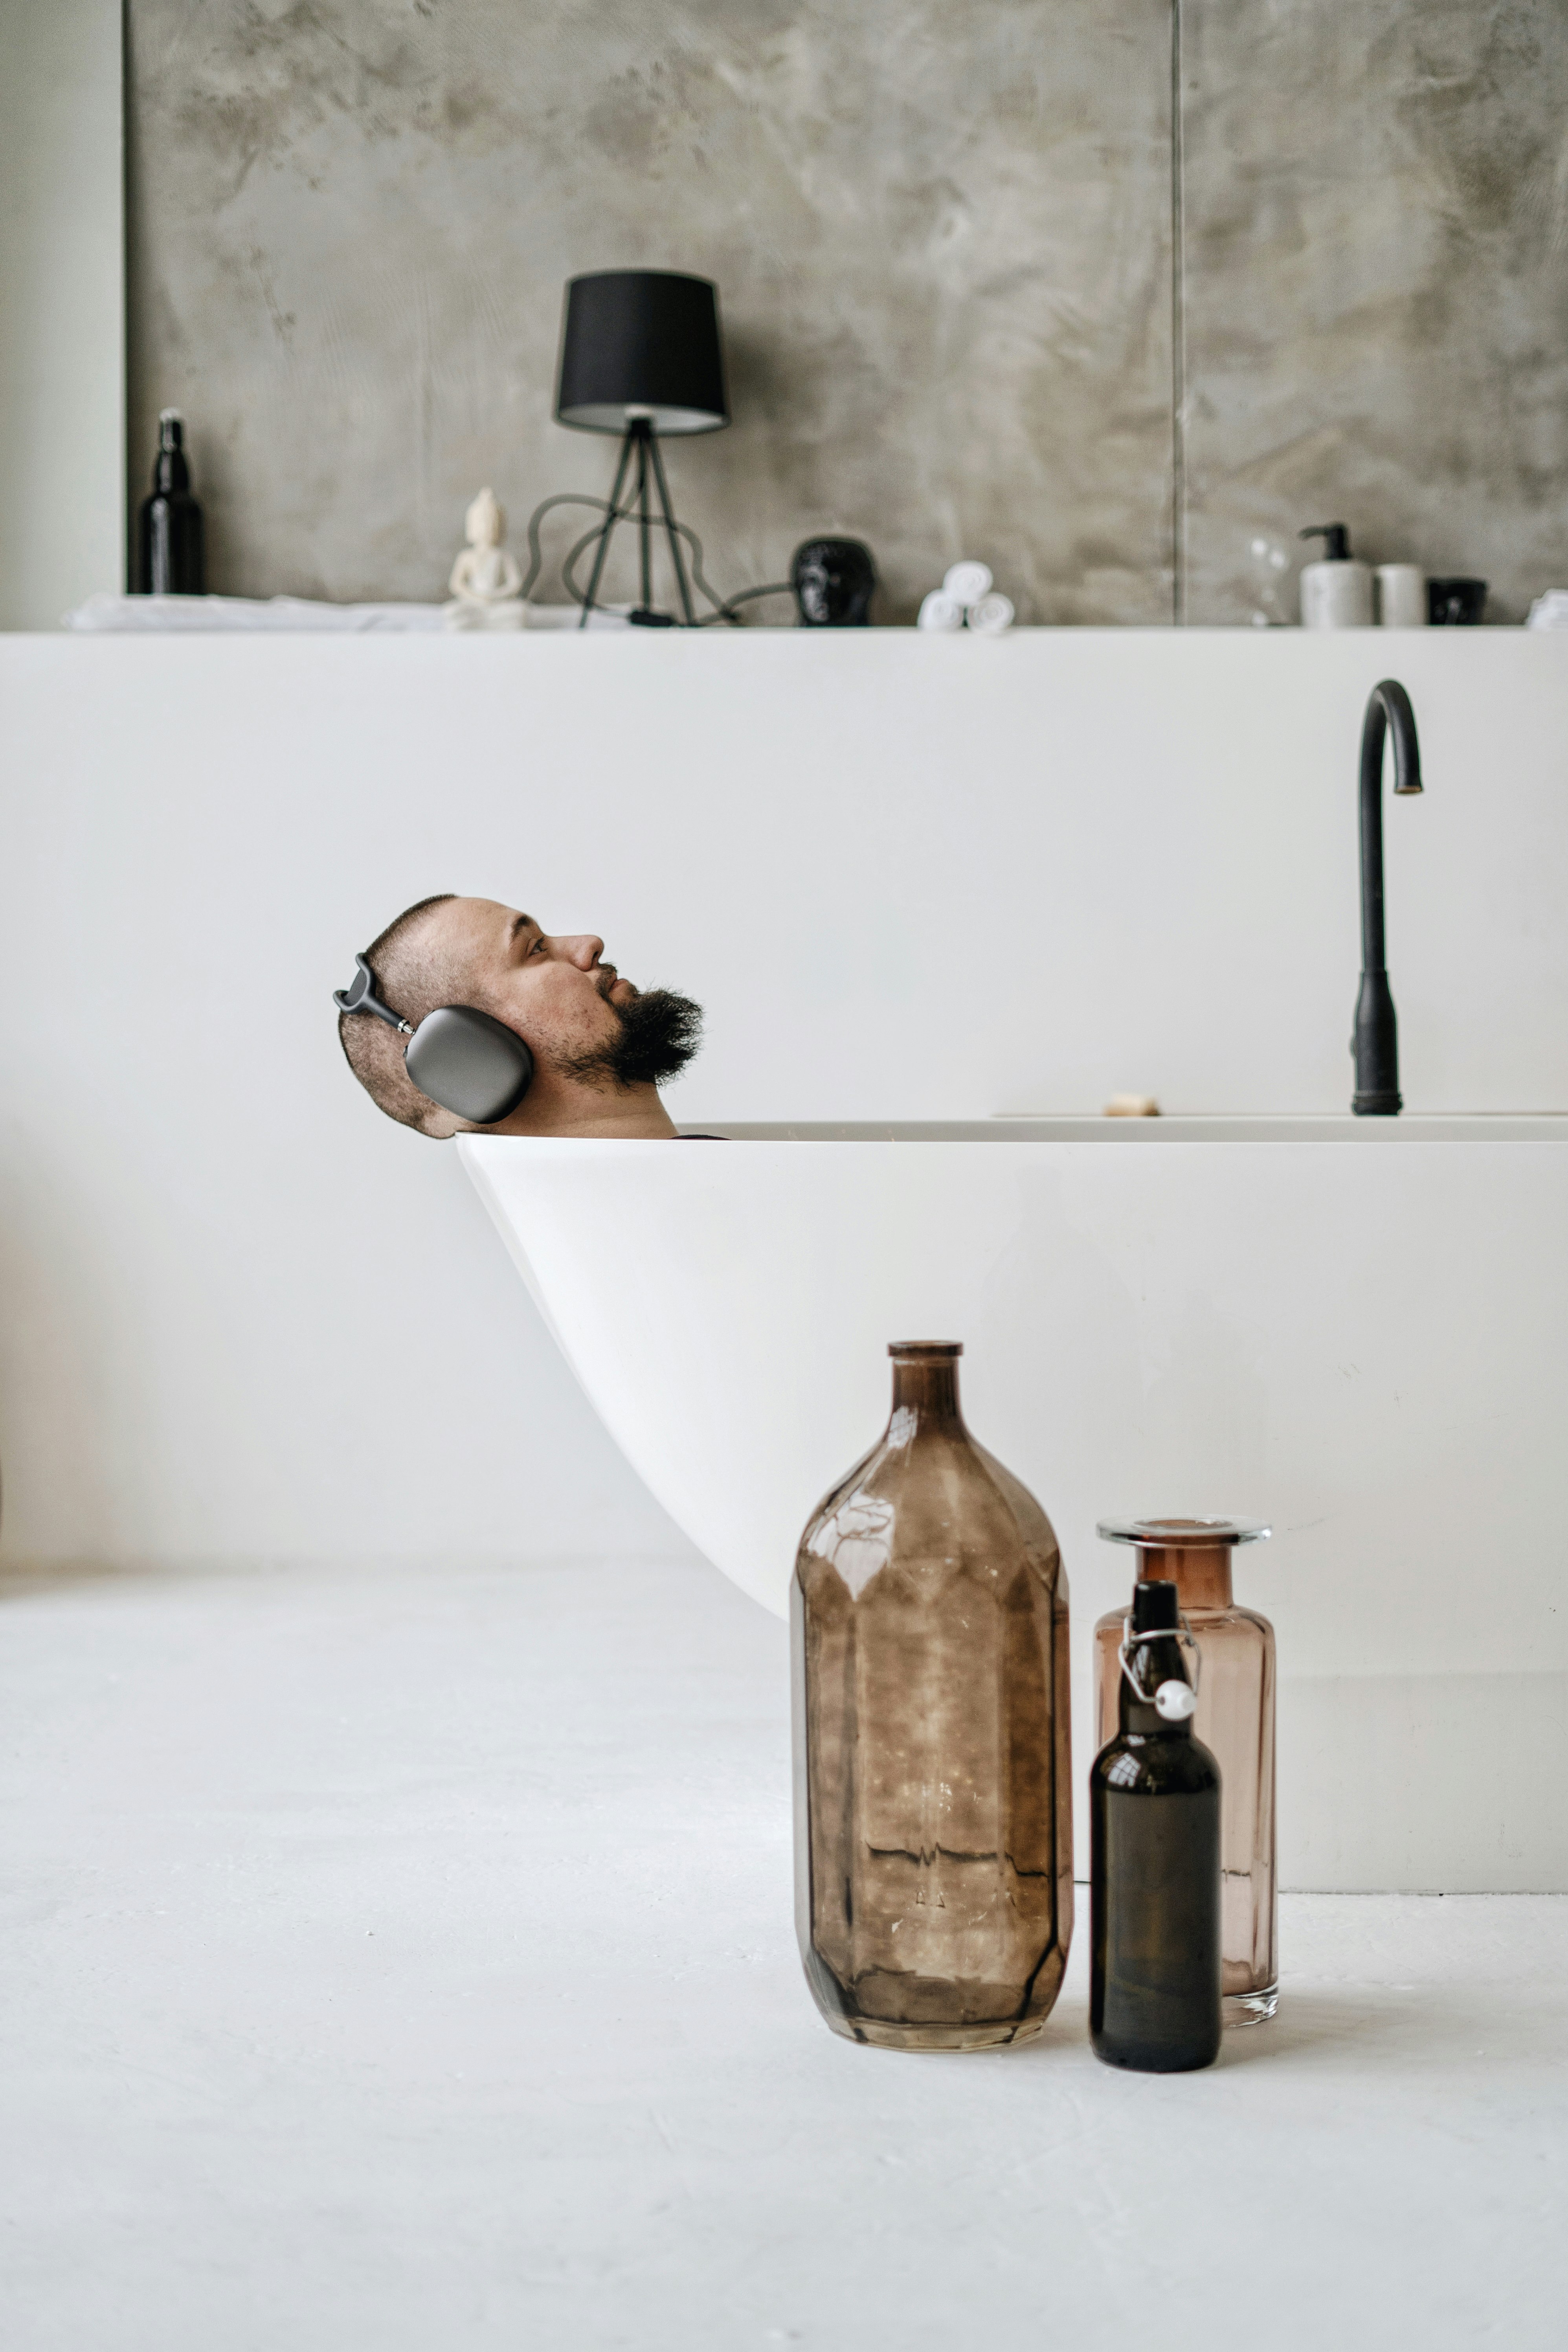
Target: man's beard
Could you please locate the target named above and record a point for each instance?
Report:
(656, 1035)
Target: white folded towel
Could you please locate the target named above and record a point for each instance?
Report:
(180, 614)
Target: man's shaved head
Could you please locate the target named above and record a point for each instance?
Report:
(601, 1048)
(414, 973)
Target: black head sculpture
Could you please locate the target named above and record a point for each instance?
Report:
(833, 580)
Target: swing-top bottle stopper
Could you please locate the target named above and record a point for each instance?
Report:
(1156, 1616)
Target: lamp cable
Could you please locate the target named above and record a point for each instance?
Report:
(724, 607)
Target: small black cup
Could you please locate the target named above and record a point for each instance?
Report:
(833, 580)
(1455, 604)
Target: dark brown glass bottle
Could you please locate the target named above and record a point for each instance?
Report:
(932, 1797)
(1154, 1880)
(170, 560)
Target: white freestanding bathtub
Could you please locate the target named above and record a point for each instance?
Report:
(1355, 1329)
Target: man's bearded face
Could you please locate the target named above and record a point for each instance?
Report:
(656, 1035)
(561, 993)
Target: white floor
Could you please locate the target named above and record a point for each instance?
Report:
(404, 1962)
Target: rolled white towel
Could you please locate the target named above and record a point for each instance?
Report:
(992, 615)
(940, 611)
(1551, 611)
(966, 582)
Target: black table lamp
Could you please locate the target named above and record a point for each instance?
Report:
(640, 356)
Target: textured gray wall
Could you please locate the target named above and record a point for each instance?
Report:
(943, 231)
(1375, 216)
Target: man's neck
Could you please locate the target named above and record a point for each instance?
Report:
(557, 1107)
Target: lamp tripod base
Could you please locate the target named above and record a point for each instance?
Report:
(648, 507)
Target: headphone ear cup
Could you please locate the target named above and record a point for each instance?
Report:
(471, 1065)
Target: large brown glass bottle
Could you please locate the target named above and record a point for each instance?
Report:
(1235, 1718)
(932, 1797)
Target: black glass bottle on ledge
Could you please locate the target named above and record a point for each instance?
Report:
(1154, 1811)
(169, 552)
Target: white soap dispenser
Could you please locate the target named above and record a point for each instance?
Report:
(1336, 594)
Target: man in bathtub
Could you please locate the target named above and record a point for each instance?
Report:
(465, 1017)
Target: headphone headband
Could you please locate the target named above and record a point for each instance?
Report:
(359, 996)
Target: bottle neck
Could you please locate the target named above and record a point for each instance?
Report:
(170, 470)
(1201, 1574)
(1154, 1659)
(927, 1387)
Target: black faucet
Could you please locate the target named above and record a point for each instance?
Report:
(1376, 1044)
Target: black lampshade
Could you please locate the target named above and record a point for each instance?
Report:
(642, 342)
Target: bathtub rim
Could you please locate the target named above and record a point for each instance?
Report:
(1410, 1128)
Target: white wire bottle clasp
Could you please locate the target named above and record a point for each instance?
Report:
(1174, 1700)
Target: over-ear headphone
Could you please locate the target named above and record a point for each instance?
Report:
(459, 1057)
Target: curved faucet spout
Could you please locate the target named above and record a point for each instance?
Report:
(1376, 1044)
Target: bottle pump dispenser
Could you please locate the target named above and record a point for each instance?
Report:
(1336, 591)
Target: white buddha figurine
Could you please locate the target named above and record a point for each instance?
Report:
(485, 582)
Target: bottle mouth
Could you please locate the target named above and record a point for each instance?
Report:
(1182, 1535)
(904, 1351)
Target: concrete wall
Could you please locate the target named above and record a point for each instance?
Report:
(62, 311)
(970, 306)
(1375, 216)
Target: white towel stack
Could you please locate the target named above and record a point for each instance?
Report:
(967, 600)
